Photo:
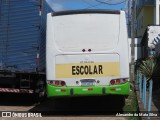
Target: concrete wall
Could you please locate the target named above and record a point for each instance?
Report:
(144, 18)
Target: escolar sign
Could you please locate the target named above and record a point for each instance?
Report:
(87, 70)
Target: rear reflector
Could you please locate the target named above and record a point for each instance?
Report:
(90, 88)
(63, 90)
(112, 89)
(13, 90)
(87, 89)
(115, 89)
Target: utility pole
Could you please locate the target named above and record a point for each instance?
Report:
(129, 18)
(156, 12)
(132, 67)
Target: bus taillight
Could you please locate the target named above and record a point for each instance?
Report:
(118, 81)
(124, 80)
(63, 83)
(112, 82)
(56, 82)
(50, 82)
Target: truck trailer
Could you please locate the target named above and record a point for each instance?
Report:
(19, 46)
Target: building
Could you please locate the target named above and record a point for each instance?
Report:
(146, 17)
(150, 43)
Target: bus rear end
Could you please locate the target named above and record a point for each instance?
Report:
(87, 53)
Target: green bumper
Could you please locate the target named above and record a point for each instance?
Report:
(122, 89)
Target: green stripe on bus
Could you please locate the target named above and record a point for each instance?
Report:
(122, 89)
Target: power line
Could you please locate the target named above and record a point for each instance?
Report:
(93, 6)
(90, 4)
(106, 2)
(101, 3)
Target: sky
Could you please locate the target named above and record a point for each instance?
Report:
(61, 5)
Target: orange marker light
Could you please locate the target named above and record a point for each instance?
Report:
(118, 81)
(90, 88)
(63, 90)
(56, 83)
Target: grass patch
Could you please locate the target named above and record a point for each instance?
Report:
(131, 105)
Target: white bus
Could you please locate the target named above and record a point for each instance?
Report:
(86, 53)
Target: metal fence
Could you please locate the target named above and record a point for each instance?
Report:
(142, 83)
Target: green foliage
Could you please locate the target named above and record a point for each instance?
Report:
(150, 67)
(131, 106)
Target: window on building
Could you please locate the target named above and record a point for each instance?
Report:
(142, 22)
(137, 24)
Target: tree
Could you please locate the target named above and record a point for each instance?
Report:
(150, 67)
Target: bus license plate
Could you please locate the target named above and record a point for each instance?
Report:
(87, 83)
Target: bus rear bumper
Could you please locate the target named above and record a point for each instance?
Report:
(122, 89)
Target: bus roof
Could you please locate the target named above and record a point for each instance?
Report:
(85, 11)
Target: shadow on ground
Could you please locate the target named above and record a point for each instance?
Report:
(16, 99)
(156, 93)
(93, 105)
(64, 106)
(156, 99)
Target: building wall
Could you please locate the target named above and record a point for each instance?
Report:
(148, 16)
(144, 18)
(144, 15)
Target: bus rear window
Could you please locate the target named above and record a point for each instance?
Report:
(99, 32)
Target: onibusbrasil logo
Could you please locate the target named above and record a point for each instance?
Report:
(20, 114)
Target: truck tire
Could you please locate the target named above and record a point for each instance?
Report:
(40, 92)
